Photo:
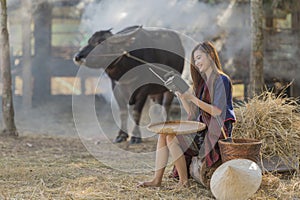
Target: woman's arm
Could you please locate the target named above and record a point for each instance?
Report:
(210, 109)
(188, 96)
(185, 102)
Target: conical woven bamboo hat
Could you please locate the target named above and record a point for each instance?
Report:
(236, 179)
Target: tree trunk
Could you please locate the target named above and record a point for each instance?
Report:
(7, 101)
(256, 60)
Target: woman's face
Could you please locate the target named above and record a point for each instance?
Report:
(201, 61)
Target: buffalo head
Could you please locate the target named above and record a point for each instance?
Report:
(97, 38)
(105, 49)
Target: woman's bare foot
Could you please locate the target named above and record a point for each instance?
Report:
(148, 184)
(181, 185)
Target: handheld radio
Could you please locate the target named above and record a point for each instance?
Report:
(174, 82)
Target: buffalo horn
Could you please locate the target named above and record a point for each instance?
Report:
(118, 38)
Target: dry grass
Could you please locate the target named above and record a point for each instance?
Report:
(52, 167)
(274, 121)
(36, 166)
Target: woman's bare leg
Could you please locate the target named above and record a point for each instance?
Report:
(179, 159)
(162, 154)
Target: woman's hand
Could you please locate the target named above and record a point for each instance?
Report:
(178, 94)
(185, 99)
(185, 96)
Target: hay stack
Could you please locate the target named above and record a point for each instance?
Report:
(274, 121)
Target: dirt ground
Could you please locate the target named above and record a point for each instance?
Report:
(50, 160)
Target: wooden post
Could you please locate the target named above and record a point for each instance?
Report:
(42, 51)
(296, 32)
(26, 53)
(256, 59)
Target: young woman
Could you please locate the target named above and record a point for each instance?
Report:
(208, 101)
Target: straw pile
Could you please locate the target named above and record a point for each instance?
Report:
(273, 120)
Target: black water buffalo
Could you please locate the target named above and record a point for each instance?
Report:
(127, 57)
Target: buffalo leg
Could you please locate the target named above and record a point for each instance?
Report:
(122, 103)
(167, 101)
(164, 99)
(136, 114)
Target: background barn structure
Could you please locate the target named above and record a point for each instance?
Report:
(43, 67)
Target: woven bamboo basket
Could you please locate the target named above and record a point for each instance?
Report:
(240, 148)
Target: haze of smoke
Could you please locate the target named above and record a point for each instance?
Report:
(195, 19)
(186, 16)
